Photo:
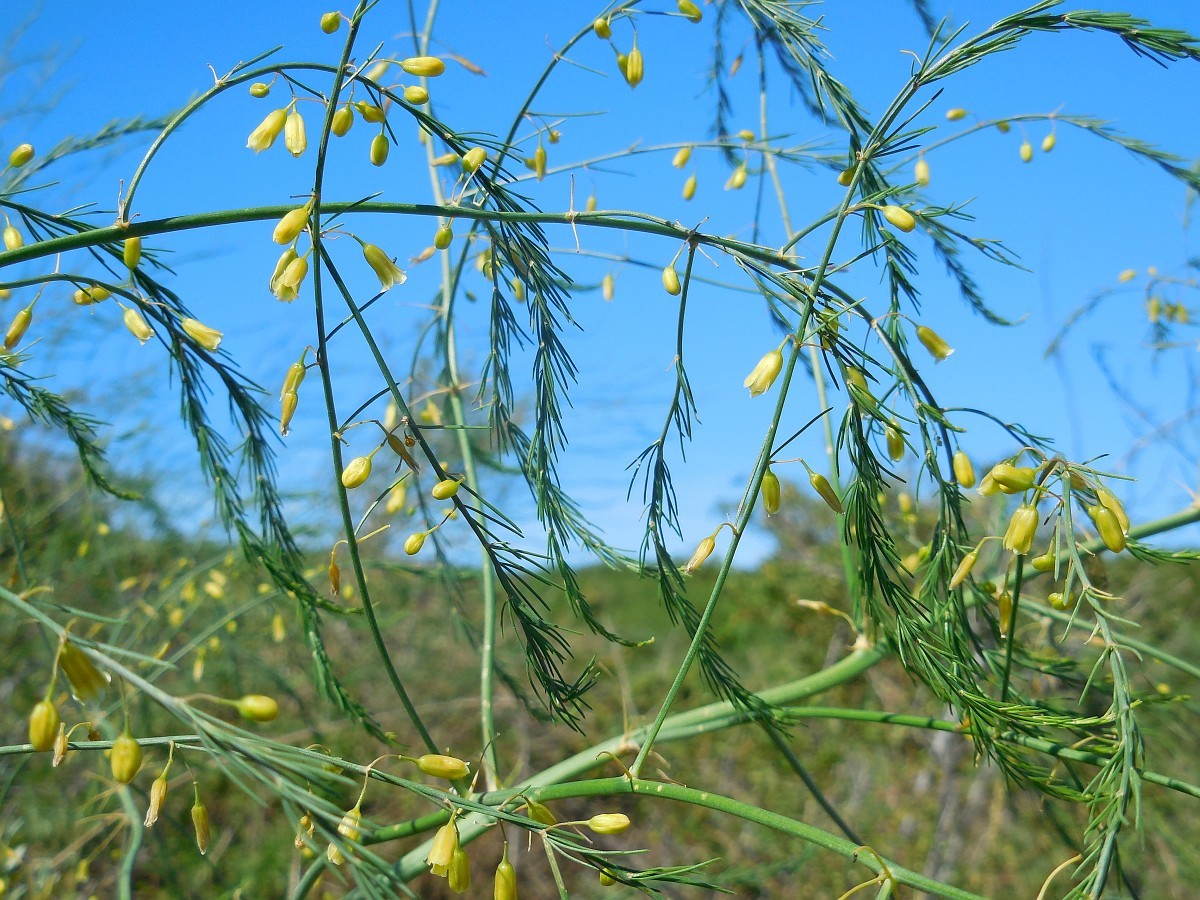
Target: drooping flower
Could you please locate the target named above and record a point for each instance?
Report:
(388, 273)
(262, 137)
(764, 374)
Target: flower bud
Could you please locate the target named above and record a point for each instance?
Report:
(12, 238)
(425, 66)
(822, 486)
(689, 188)
(125, 758)
(259, 89)
(703, 550)
(441, 851)
(388, 273)
(956, 113)
(634, 67)
(416, 95)
(1127, 275)
(607, 286)
(443, 237)
(609, 823)
(61, 746)
(1057, 601)
(447, 767)
(445, 489)
(602, 29)
(737, 179)
(1048, 142)
(21, 154)
(370, 112)
(1044, 563)
(131, 252)
(895, 442)
(921, 172)
(473, 159)
(294, 137)
(286, 258)
(934, 343)
(1026, 151)
(258, 708)
(414, 542)
(759, 381)
(1018, 537)
(900, 217)
(86, 680)
(670, 281)
(335, 577)
(681, 157)
(690, 10)
(267, 131)
(1108, 526)
(294, 377)
(343, 118)
(458, 876)
(846, 176)
(1109, 501)
(1003, 127)
(964, 472)
(18, 327)
(1012, 479)
(43, 725)
(289, 227)
(331, 22)
(202, 825)
(770, 492)
(964, 569)
(540, 812)
(357, 471)
(208, 338)
(506, 880)
(379, 149)
(1004, 605)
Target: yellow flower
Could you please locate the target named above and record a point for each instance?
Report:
(1018, 537)
(131, 252)
(1048, 142)
(158, 793)
(137, 325)
(426, 66)
(921, 172)
(458, 878)
(386, 271)
(934, 343)
(681, 157)
(737, 179)
(506, 879)
(357, 471)
(770, 492)
(955, 114)
(414, 542)
(964, 569)
(473, 159)
(379, 149)
(294, 137)
(446, 489)
(689, 188)
(703, 550)
(634, 67)
(1026, 151)
(86, 680)
(609, 823)
(690, 10)
(12, 238)
(764, 374)
(125, 758)
(1012, 479)
(441, 853)
(822, 486)
(208, 338)
(602, 29)
(448, 767)
(289, 227)
(670, 281)
(416, 95)
(331, 22)
(43, 725)
(259, 89)
(964, 472)
(342, 120)
(285, 259)
(1108, 526)
(287, 285)
(267, 131)
(18, 327)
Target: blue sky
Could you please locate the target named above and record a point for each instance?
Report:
(1076, 217)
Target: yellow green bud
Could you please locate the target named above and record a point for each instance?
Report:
(689, 188)
(356, 472)
(609, 823)
(540, 812)
(258, 708)
(288, 403)
(447, 767)
(21, 154)
(331, 22)
(131, 252)
(267, 131)
(822, 486)
(370, 112)
(1127, 275)
(294, 377)
(287, 285)
(12, 238)
(846, 176)
(964, 472)
(770, 492)
(158, 794)
(379, 149)
(293, 222)
(737, 179)
(414, 542)
(1012, 479)
(933, 342)
(681, 157)
(1048, 142)
(602, 29)
(690, 10)
(473, 159)
(539, 162)
(964, 569)
(895, 442)
(125, 758)
(1043, 563)
(43, 725)
(956, 113)
(137, 325)
(202, 825)
(388, 273)
(259, 89)
(86, 680)
(458, 876)
(443, 237)
(900, 217)
(416, 95)
(634, 67)
(1018, 537)
(294, 137)
(1108, 526)
(343, 118)
(1026, 151)
(921, 172)
(670, 281)
(208, 338)
(1108, 500)
(763, 375)
(424, 66)
(607, 286)
(445, 489)
(1004, 605)
(1003, 127)
(506, 880)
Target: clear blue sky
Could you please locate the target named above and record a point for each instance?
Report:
(1076, 217)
